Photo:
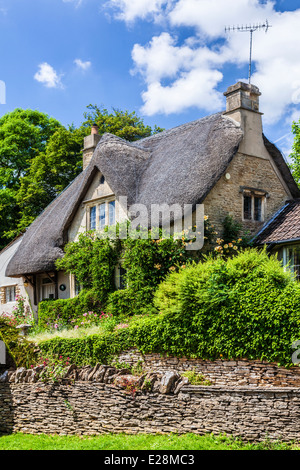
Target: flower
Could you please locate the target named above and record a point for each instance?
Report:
(206, 217)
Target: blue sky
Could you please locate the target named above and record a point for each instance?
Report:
(168, 60)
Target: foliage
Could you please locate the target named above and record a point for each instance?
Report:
(195, 378)
(21, 351)
(233, 230)
(50, 172)
(294, 157)
(23, 135)
(124, 124)
(53, 368)
(92, 259)
(72, 312)
(228, 249)
(147, 262)
(247, 306)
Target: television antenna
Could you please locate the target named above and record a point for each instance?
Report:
(249, 29)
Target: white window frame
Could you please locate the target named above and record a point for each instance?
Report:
(97, 203)
(286, 260)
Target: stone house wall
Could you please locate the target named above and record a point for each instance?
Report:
(226, 196)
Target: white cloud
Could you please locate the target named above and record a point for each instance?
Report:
(191, 72)
(130, 10)
(48, 76)
(170, 67)
(211, 16)
(82, 65)
(194, 88)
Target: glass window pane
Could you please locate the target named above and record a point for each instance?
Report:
(93, 218)
(111, 213)
(293, 260)
(10, 294)
(102, 215)
(257, 208)
(247, 207)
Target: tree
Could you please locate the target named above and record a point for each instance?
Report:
(126, 125)
(295, 155)
(23, 135)
(50, 173)
(39, 158)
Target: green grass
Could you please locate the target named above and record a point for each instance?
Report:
(133, 442)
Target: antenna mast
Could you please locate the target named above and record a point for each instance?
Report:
(246, 29)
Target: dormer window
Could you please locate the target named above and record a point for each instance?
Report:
(102, 214)
(253, 204)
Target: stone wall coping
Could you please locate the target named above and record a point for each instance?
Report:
(242, 389)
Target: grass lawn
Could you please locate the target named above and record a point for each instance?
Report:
(133, 442)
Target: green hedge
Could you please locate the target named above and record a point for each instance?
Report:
(246, 307)
(61, 311)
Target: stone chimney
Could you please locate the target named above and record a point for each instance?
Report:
(242, 105)
(90, 143)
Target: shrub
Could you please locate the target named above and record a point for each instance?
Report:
(60, 312)
(245, 307)
(21, 353)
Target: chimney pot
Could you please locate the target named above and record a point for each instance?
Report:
(94, 129)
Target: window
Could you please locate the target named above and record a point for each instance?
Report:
(247, 207)
(10, 294)
(47, 289)
(102, 215)
(93, 218)
(291, 260)
(253, 206)
(111, 212)
(258, 208)
(120, 277)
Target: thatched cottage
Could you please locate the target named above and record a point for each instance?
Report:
(223, 161)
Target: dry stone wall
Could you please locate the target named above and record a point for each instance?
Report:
(103, 399)
(86, 408)
(220, 372)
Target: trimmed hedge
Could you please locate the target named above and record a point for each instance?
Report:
(61, 311)
(245, 307)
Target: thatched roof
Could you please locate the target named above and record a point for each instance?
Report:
(179, 166)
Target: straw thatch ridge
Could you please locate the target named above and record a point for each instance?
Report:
(177, 166)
